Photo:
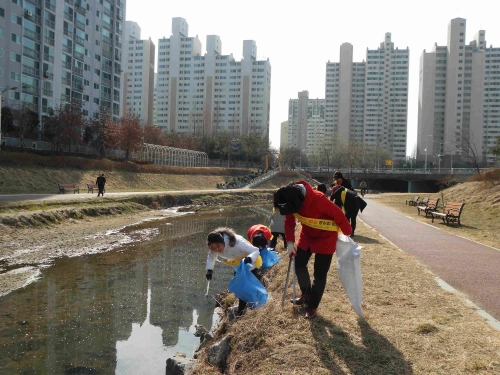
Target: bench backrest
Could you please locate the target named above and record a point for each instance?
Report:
(67, 186)
(432, 203)
(92, 185)
(454, 208)
(424, 201)
(415, 198)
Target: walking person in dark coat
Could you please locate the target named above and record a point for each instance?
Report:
(349, 202)
(101, 181)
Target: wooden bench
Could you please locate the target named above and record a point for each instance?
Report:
(451, 213)
(430, 207)
(92, 187)
(413, 201)
(68, 187)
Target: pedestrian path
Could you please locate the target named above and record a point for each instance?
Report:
(469, 267)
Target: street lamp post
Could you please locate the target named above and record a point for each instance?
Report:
(440, 157)
(425, 166)
(1, 97)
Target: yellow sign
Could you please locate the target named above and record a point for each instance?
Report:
(388, 162)
(323, 224)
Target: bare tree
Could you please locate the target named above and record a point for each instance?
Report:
(130, 135)
(469, 151)
(25, 123)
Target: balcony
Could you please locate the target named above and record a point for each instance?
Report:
(80, 9)
(66, 81)
(116, 98)
(48, 58)
(80, 25)
(32, 34)
(29, 70)
(106, 82)
(106, 68)
(106, 54)
(107, 39)
(67, 49)
(30, 89)
(68, 17)
(48, 41)
(118, 58)
(32, 106)
(50, 24)
(46, 110)
(65, 98)
(79, 40)
(50, 6)
(78, 71)
(117, 85)
(70, 2)
(77, 86)
(38, 3)
(105, 96)
(66, 65)
(48, 92)
(33, 18)
(107, 12)
(78, 55)
(107, 26)
(118, 44)
(119, 32)
(48, 75)
(31, 52)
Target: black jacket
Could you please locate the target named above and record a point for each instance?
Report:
(353, 202)
(100, 180)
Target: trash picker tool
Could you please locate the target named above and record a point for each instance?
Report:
(208, 287)
(286, 283)
(293, 281)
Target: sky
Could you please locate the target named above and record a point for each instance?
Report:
(300, 37)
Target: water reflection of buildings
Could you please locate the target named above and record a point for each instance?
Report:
(73, 317)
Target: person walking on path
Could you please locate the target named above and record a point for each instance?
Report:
(362, 186)
(322, 188)
(225, 242)
(349, 202)
(339, 180)
(277, 226)
(321, 220)
(101, 181)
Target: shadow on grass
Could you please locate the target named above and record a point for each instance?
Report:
(365, 240)
(376, 356)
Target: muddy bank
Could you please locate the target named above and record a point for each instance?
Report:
(30, 240)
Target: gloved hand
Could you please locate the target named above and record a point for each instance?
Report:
(291, 248)
(248, 260)
(209, 274)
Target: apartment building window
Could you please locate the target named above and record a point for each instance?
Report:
(14, 57)
(16, 19)
(2, 12)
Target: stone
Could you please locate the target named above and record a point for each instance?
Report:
(179, 365)
(217, 354)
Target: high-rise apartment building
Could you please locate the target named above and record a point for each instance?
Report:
(459, 97)
(284, 135)
(54, 51)
(138, 77)
(207, 93)
(306, 124)
(368, 101)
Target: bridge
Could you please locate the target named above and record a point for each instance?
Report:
(397, 180)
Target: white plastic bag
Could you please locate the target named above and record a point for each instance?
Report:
(349, 270)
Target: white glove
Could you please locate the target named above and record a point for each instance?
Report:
(291, 248)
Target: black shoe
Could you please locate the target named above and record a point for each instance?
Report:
(301, 300)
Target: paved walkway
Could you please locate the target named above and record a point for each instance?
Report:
(467, 266)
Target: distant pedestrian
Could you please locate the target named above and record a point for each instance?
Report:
(101, 181)
(362, 186)
(339, 180)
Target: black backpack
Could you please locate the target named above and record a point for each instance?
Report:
(288, 199)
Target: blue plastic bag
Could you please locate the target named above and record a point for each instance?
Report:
(269, 258)
(247, 287)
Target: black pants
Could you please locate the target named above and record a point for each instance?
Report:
(101, 190)
(242, 305)
(351, 218)
(321, 266)
(272, 245)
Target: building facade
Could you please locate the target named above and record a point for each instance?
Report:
(367, 101)
(284, 135)
(306, 124)
(138, 77)
(202, 94)
(54, 51)
(459, 98)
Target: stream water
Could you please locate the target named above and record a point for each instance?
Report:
(121, 312)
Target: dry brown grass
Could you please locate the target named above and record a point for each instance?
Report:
(480, 216)
(412, 326)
